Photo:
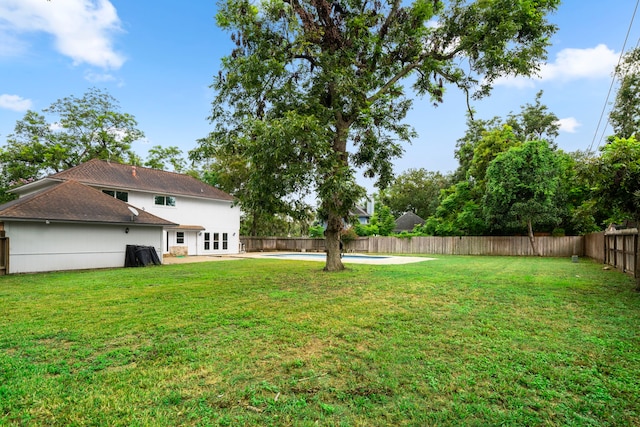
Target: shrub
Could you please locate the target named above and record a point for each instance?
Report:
(316, 231)
(348, 235)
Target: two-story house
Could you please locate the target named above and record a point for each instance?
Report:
(85, 216)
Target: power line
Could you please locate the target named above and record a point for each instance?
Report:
(613, 79)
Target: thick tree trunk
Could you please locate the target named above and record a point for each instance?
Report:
(532, 239)
(332, 243)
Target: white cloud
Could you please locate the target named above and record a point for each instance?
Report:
(82, 29)
(98, 77)
(571, 64)
(14, 102)
(569, 125)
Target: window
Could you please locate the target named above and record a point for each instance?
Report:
(165, 200)
(207, 241)
(120, 195)
(180, 237)
(225, 243)
(216, 241)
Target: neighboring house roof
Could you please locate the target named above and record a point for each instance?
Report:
(408, 221)
(360, 212)
(116, 175)
(74, 202)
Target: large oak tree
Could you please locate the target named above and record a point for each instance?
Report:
(315, 90)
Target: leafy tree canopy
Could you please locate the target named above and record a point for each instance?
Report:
(314, 89)
(415, 190)
(534, 122)
(522, 184)
(162, 157)
(71, 131)
(617, 182)
(625, 116)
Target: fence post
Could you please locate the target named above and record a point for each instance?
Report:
(636, 273)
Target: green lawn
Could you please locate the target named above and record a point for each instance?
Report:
(456, 341)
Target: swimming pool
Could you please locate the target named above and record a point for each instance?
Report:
(324, 256)
(346, 258)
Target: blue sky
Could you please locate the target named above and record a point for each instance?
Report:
(158, 58)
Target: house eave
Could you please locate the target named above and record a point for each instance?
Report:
(185, 227)
(33, 186)
(156, 193)
(69, 221)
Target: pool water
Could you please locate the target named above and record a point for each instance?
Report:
(320, 255)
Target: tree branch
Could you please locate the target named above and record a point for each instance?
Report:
(412, 66)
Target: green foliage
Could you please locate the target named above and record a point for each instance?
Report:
(493, 142)
(625, 115)
(364, 230)
(313, 91)
(73, 131)
(485, 139)
(465, 146)
(534, 123)
(381, 223)
(617, 183)
(316, 231)
(458, 213)
(386, 221)
(348, 235)
(521, 188)
(415, 190)
(159, 157)
(273, 225)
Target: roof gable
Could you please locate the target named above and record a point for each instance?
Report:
(360, 212)
(408, 221)
(73, 201)
(116, 175)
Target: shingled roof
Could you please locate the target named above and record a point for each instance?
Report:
(74, 202)
(407, 222)
(116, 175)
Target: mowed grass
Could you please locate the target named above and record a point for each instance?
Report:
(456, 341)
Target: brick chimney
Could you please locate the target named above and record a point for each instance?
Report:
(133, 171)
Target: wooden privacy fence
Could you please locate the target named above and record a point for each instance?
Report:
(621, 250)
(4, 254)
(463, 245)
(594, 246)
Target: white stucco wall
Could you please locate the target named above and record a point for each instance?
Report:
(37, 246)
(215, 216)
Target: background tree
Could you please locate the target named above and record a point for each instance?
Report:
(617, 180)
(578, 214)
(71, 131)
(329, 77)
(415, 190)
(493, 143)
(458, 214)
(381, 223)
(465, 146)
(460, 208)
(535, 123)
(521, 189)
(625, 115)
(160, 157)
